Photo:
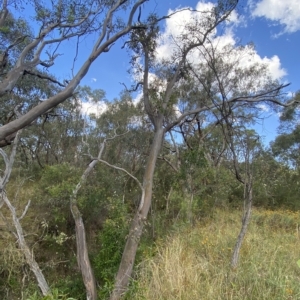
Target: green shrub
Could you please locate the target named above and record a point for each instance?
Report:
(112, 239)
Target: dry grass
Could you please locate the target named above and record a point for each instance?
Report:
(194, 263)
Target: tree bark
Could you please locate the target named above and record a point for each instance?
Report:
(83, 260)
(24, 247)
(126, 266)
(83, 256)
(20, 235)
(245, 223)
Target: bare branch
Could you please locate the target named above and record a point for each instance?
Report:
(82, 249)
(132, 89)
(43, 76)
(267, 96)
(169, 163)
(123, 170)
(192, 46)
(20, 235)
(25, 210)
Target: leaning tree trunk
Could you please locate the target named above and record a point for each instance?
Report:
(125, 269)
(245, 222)
(19, 230)
(83, 256)
(34, 267)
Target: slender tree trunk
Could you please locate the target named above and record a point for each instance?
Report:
(190, 208)
(137, 225)
(245, 223)
(190, 192)
(20, 235)
(25, 249)
(83, 256)
(168, 200)
(83, 260)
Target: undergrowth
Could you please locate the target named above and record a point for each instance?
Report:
(194, 263)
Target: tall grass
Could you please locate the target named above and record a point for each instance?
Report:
(195, 263)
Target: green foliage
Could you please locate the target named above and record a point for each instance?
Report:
(286, 147)
(193, 161)
(55, 295)
(53, 195)
(4, 29)
(71, 285)
(112, 239)
(58, 182)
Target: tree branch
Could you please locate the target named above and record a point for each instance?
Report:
(123, 170)
(43, 76)
(67, 92)
(267, 96)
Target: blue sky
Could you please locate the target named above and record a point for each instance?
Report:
(272, 25)
(269, 36)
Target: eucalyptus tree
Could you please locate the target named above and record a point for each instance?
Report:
(219, 85)
(28, 90)
(244, 145)
(57, 23)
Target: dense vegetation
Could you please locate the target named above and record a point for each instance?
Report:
(199, 205)
(158, 185)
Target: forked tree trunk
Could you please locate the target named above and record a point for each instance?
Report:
(245, 222)
(125, 269)
(83, 260)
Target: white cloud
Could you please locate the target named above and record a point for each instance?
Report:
(93, 79)
(286, 12)
(175, 29)
(89, 108)
(136, 100)
(177, 111)
(274, 67)
(290, 94)
(263, 107)
(253, 70)
(275, 70)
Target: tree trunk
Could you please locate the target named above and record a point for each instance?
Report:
(245, 223)
(83, 256)
(20, 235)
(83, 260)
(137, 225)
(24, 247)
